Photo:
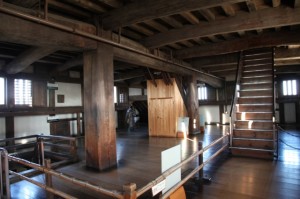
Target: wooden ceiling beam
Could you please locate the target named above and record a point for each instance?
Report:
(272, 17)
(78, 61)
(129, 75)
(228, 9)
(207, 14)
(27, 58)
(257, 41)
(190, 17)
(172, 22)
(112, 3)
(276, 3)
(16, 30)
(139, 11)
(89, 5)
(141, 60)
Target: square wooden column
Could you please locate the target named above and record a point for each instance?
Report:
(99, 116)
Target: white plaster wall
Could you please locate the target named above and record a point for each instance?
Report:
(210, 113)
(2, 128)
(135, 91)
(71, 92)
(29, 125)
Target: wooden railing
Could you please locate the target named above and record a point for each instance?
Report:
(129, 190)
(238, 74)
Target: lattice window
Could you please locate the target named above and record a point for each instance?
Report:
(23, 92)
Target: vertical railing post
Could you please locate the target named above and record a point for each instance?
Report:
(5, 184)
(48, 177)
(129, 191)
(41, 154)
(200, 161)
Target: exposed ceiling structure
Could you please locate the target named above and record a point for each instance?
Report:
(205, 35)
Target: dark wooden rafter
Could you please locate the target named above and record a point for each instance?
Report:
(89, 5)
(276, 3)
(228, 9)
(247, 42)
(129, 75)
(69, 64)
(28, 57)
(152, 77)
(241, 22)
(143, 10)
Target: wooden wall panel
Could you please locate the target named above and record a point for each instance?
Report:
(165, 105)
(39, 93)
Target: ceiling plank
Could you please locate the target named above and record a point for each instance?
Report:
(242, 22)
(251, 6)
(68, 8)
(141, 29)
(26, 58)
(141, 60)
(139, 11)
(156, 26)
(255, 41)
(297, 4)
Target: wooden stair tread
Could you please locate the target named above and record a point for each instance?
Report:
(257, 76)
(257, 70)
(266, 82)
(260, 112)
(252, 139)
(257, 130)
(252, 149)
(265, 104)
(259, 96)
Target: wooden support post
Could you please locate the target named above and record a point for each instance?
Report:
(193, 105)
(78, 124)
(10, 129)
(129, 191)
(47, 163)
(99, 113)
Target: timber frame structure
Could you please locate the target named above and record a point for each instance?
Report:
(114, 42)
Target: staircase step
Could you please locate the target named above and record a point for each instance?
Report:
(260, 85)
(256, 73)
(257, 67)
(255, 108)
(256, 51)
(252, 133)
(254, 153)
(253, 143)
(255, 99)
(257, 61)
(254, 115)
(254, 124)
(255, 92)
(257, 79)
(257, 55)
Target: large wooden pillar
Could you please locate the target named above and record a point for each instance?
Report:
(99, 117)
(193, 105)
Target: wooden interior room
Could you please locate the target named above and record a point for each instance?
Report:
(98, 96)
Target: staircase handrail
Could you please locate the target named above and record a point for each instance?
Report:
(234, 97)
(275, 126)
(237, 81)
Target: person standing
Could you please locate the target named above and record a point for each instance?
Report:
(129, 118)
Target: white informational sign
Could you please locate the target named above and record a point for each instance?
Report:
(169, 158)
(159, 187)
(183, 125)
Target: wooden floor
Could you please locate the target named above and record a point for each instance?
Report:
(139, 162)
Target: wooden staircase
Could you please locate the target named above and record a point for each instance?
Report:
(253, 128)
